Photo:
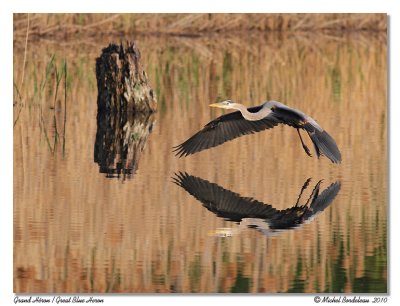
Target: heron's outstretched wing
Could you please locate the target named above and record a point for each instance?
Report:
(222, 129)
(295, 215)
(231, 206)
(324, 199)
(324, 144)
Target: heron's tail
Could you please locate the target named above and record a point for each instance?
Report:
(324, 144)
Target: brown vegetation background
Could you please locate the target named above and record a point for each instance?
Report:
(48, 25)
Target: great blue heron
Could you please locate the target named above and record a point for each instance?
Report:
(256, 119)
(267, 219)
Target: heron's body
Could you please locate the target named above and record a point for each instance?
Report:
(255, 119)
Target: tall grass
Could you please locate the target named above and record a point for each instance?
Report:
(46, 95)
(16, 87)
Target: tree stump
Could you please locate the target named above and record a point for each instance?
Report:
(125, 106)
(121, 81)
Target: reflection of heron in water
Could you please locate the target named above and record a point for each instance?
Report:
(252, 213)
(256, 119)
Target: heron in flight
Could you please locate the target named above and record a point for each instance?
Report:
(253, 213)
(256, 119)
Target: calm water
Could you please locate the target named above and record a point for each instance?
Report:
(135, 218)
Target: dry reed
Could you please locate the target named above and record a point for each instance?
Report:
(66, 26)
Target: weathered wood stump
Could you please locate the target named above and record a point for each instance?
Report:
(125, 107)
(121, 81)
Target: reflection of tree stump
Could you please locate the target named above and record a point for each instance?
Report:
(125, 105)
(120, 142)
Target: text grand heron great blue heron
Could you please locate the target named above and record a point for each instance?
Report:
(256, 119)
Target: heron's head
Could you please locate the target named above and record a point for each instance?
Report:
(228, 104)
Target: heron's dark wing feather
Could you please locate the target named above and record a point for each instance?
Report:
(288, 218)
(324, 144)
(325, 198)
(289, 116)
(222, 129)
(224, 203)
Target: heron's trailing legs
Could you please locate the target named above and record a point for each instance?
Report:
(306, 149)
(305, 185)
(314, 193)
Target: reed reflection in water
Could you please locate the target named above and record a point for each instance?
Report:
(77, 231)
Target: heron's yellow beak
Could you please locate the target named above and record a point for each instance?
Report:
(221, 232)
(215, 105)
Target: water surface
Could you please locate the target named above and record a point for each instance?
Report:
(78, 228)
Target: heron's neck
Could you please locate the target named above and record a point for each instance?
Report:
(261, 114)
